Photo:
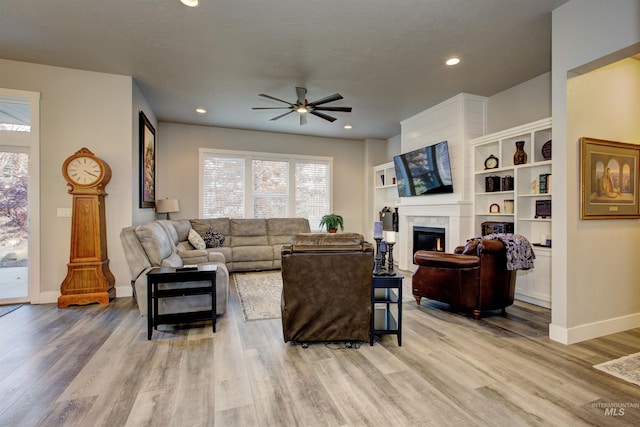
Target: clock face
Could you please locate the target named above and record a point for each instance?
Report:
(491, 162)
(84, 170)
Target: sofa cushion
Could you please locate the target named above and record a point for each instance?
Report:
(182, 228)
(249, 232)
(252, 253)
(196, 240)
(172, 260)
(220, 224)
(155, 242)
(280, 230)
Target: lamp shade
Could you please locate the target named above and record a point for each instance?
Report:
(167, 205)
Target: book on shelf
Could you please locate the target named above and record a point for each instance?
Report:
(545, 183)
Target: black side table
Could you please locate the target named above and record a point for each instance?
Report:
(383, 320)
(171, 276)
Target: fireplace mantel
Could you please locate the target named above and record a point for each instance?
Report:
(456, 218)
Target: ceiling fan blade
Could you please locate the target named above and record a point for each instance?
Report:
(331, 98)
(281, 116)
(323, 116)
(275, 99)
(301, 93)
(303, 119)
(343, 109)
(270, 108)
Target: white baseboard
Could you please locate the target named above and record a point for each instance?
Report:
(593, 330)
(47, 298)
(124, 291)
(52, 296)
(532, 300)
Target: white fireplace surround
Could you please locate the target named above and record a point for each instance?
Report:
(455, 218)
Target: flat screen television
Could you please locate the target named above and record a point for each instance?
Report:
(424, 171)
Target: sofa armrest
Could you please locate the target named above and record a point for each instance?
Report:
(444, 260)
(216, 257)
(194, 256)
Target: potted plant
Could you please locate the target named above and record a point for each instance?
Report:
(332, 222)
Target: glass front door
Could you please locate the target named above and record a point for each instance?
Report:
(19, 196)
(14, 233)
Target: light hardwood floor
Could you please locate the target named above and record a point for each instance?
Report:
(93, 366)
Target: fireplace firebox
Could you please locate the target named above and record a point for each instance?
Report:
(428, 239)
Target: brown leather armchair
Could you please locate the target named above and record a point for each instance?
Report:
(326, 293)
(468, 279)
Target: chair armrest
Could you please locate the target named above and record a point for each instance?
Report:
(493, 246)
(444, 260)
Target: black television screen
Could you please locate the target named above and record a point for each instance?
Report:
(424, 171)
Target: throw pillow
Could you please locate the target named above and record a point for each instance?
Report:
(213, 238)
(196, 240)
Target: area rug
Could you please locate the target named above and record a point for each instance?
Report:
(259, 294)
(626, 368)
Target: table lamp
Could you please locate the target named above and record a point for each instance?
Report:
(167, 206)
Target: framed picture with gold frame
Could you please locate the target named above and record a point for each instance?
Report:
(609, 179)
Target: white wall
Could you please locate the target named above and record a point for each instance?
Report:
(525, 103)
(177, 164)
(595, 268)
(139, 215)
(77, 109)
(375, 154)
(604, 104)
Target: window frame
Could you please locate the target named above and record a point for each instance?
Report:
(248, 157)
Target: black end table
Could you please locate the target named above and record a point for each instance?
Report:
(383, 320)
(169, 275)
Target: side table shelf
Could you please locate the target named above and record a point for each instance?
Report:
(386, 292)
(171, 277)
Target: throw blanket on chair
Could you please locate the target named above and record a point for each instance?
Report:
(520, 254)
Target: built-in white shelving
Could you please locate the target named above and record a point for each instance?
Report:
(533, 285)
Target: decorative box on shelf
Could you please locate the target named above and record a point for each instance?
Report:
(489, 227)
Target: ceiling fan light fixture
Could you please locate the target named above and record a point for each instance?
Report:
(302, 110)
(452, 61)
(190, 3)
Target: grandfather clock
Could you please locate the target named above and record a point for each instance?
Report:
(89, 279)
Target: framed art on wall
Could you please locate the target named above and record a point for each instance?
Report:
(609, 176)
(147, 163)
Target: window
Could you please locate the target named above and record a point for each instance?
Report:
(15, 116)
(240, 184)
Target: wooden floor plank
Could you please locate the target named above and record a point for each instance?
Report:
(93, 365)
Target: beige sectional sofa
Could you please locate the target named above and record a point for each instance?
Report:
(249, 244)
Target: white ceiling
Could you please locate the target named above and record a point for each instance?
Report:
(386, 57)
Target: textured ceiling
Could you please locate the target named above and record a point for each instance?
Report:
(384, 56)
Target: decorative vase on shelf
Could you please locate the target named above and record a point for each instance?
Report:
(520, 156)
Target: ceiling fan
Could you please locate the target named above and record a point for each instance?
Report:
(303, 107)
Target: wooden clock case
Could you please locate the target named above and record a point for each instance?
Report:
(88, 279)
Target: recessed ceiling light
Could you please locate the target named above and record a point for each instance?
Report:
(348, 126)
(452, 61)
(190, 3)
(200, 110)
